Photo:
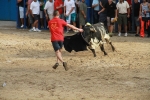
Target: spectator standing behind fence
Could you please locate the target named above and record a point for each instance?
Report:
(77, 3)
(111, 15)
(144, 13)
(28, 13)
(21, 12)
(69, 12)
(35, 10)
(59, 5)
(82, 13)
(123, 12)
(48, 10)
(136, 16)
(102, 14)
(95, 5)
(41, 13)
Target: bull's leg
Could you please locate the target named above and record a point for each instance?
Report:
(108, 41)
(93, 51)
(113, 48)
(102, 49)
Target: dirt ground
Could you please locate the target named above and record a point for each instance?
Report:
(26, 60)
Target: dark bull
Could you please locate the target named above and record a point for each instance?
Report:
(95, 35)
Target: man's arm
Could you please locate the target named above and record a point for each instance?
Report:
(58, 7)
(71, 11)
(83, 13)
(101, 10)
(74, 28)
(31, 10)
(128, 11)
(101, 4)
(116, 13)
(28, 9)
(94, 5)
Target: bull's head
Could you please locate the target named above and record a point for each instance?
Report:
(89, 32)
(92, 29)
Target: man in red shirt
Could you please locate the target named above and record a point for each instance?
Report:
(56, 26)
(59, 5)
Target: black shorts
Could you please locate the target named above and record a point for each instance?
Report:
(36, 17)
(57, 45)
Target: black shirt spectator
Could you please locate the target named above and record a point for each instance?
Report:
(136, 9)
(103, 2)
(110, 9)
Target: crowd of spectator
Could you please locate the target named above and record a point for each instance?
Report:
(75, 13)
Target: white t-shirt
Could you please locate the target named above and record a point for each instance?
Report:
(122, 7)
(35, 7)
(69, 5)
(49, 6)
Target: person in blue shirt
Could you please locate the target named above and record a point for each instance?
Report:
(95, 5)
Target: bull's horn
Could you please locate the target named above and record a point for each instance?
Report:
(87, 24)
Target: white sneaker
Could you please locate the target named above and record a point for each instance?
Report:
(22, 26)
(126, 34)
(34, 29)
(31, 30)
(37, 30)
(119, 34)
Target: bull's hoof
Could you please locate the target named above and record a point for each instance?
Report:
(94, 55)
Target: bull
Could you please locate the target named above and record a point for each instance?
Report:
(96, 35)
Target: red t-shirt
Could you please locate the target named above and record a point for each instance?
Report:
(129, 2)
(57, 3)
(56, 26)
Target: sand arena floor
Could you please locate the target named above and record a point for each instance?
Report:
(26, 60)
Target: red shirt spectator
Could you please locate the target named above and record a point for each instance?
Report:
(56, 26)
(129, 2)
(58, 3)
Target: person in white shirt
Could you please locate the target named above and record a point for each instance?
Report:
(69, 12)
(49, 7)
(35, 10)
(123, 12)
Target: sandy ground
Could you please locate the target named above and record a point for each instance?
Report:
(26, 60)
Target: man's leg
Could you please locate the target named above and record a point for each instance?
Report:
(124, 18)
(119, 24)
(59, 56)
(21, 11)
(119, 29)
(57, 45)
(137, 23)
(35, 24)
